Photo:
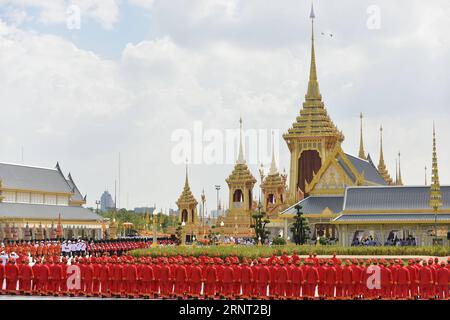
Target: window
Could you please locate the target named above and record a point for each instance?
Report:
(37, 198)
(63, 200)
(50, 199)
(9, 196)
(23, 197)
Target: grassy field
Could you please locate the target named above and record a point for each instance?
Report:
(266, 251)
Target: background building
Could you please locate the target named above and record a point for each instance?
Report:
(34, 200)
(106, 202)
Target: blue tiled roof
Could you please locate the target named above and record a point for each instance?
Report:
(316, 205)
(370, 171)
(392, 198)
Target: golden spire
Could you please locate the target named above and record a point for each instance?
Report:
(240, 159)
(362, 154)
(435, 190)
(399, 178)
(313, 85)
(381, 165)
(314, 120)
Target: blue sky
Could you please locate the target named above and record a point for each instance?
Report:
(139, 70)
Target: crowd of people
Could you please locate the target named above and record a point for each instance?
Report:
(205, 277)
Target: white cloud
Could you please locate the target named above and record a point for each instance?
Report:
(214, 62)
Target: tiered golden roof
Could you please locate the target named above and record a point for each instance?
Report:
(435, 191)
(381, 165)
(241, 174)
(186, 197)
(314, 120)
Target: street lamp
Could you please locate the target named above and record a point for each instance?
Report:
(97, 202)
(218, 189)
(299, 219)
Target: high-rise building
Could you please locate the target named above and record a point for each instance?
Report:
(106, 202)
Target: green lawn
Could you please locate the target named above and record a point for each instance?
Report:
(266, 251)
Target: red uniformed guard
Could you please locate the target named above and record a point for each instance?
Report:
(297, 279)
(414, 274)
(236, 278)
(63, 283)
(282, 279)
(347, 280)
(105, 276)
(180, 279)
(339, 289)
(25, 277)
(330, 280)
(246, 279)
(146, 278)
(55, 276)
(367, 293)
(11, 276)
(228, 279)
(273, 287)
(290, 266)
(256, 265)
(130, 278)
(219, 267)
(210, 280)
(386, 281)
(442, 281)
(402, 281)
(164, 278)
(36, 267)
(173, 270)
(155, 283)
(356, 279)
(263, 279)
(322, 270)
(96, 266)
(43, 275)
(117, 274)
(195, 279)
(311, 280)
(87, 277)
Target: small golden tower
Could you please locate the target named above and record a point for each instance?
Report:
(381, 165)
(362, 153)
(274, 188)
(240, 184)
(113, 227)
(313, 136)
(187, 208)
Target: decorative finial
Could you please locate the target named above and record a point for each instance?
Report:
(435, 191)
(362, 153)
(241, 159)
(273, 166)
(186, 182)
(400, 181)
(313, 85)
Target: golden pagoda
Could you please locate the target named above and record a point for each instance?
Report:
(381, 165)
(313, 136)
(274, 188)
(240, 184)
(187, 209)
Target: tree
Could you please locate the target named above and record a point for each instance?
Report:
(261, 220)
(178, 234)
(300, 227)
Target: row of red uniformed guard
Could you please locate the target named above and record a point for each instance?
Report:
(285, 277)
